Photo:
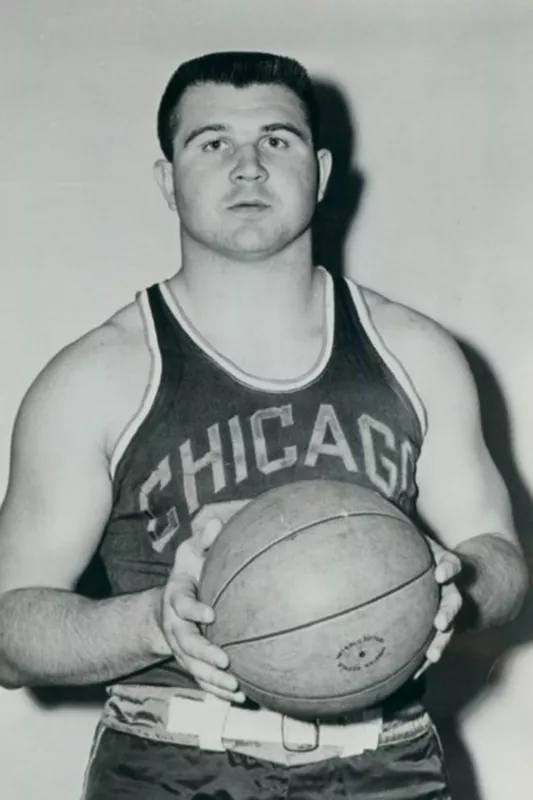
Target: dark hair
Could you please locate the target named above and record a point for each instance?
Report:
(239, 69)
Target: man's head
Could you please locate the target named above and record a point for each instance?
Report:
(242, 168)
(238, 69)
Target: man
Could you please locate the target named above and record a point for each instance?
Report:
(248, 369)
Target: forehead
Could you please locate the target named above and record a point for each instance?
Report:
(257, 104)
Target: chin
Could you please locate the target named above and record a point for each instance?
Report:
(255, 248)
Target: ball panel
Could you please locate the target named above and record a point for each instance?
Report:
(278, 513)
(337, 664)
(356, 699)
(264, 597)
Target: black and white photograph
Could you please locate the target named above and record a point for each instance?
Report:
(266, 430)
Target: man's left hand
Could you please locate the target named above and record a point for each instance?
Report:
(447, 568)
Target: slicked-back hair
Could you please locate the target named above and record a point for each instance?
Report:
(239, 69)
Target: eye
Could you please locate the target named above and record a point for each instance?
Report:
(273, 142)
(214, 146)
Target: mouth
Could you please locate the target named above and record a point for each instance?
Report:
(249, 207)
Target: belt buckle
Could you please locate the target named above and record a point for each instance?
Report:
(299, 748)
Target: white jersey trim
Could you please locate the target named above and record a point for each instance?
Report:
(245, 378)
(151, 389)
(392, 362)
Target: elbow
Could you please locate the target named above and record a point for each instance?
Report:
(10, 680)
(11, 685)
(12, 677)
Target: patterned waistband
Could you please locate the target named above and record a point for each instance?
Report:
(187, 717)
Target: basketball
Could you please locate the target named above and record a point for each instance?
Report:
(324, 597)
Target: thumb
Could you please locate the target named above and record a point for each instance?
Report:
(209, 534)
(187, 583)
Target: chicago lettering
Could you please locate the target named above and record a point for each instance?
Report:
(230, 456)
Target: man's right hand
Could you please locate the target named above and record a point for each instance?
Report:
(182, 614)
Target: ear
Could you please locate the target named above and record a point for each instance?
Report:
(164, 177)
(325, 162)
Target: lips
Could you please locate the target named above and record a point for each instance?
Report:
(248, 207)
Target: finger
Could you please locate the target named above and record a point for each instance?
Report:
(211, 675)
(209, 534)
(189, 609)
(221, 511)
(448, 567)
(422, 669)
(232, 697)
(188, 642)
(449, 608)
(182, 582)
(437, 646)
(188, 559)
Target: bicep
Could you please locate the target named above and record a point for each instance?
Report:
(59, 491)
(461, 492)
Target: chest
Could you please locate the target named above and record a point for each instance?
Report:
(268, 353)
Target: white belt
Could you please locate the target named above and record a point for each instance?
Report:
(219, 725)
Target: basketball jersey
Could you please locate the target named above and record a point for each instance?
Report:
(208, 434)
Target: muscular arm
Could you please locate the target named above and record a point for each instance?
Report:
(462, 497)
(56, 506)
(51, 636)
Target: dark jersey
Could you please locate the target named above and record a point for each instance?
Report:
(208, 433)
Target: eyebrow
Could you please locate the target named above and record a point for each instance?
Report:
(211, 128)
(285, 126)
(271, 127)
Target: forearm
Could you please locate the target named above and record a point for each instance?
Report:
(55, 637)
(493, 580)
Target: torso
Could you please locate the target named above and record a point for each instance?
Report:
(202, 430)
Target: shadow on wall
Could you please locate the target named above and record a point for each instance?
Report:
(338, 210)
(464, 669)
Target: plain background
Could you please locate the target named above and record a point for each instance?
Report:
(430, 101)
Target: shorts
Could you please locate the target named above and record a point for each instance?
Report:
(407, 765)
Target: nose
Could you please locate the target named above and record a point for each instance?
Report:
(248, 166)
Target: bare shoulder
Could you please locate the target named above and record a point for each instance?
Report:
(113, 347)
(95, 381)
(97, 354)
(396, 319)
(428, 351)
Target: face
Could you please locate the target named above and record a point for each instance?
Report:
(245, 177)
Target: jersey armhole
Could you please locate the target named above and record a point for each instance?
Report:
(392, 362)
(151, 389)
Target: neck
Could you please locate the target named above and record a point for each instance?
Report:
(216, 290)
